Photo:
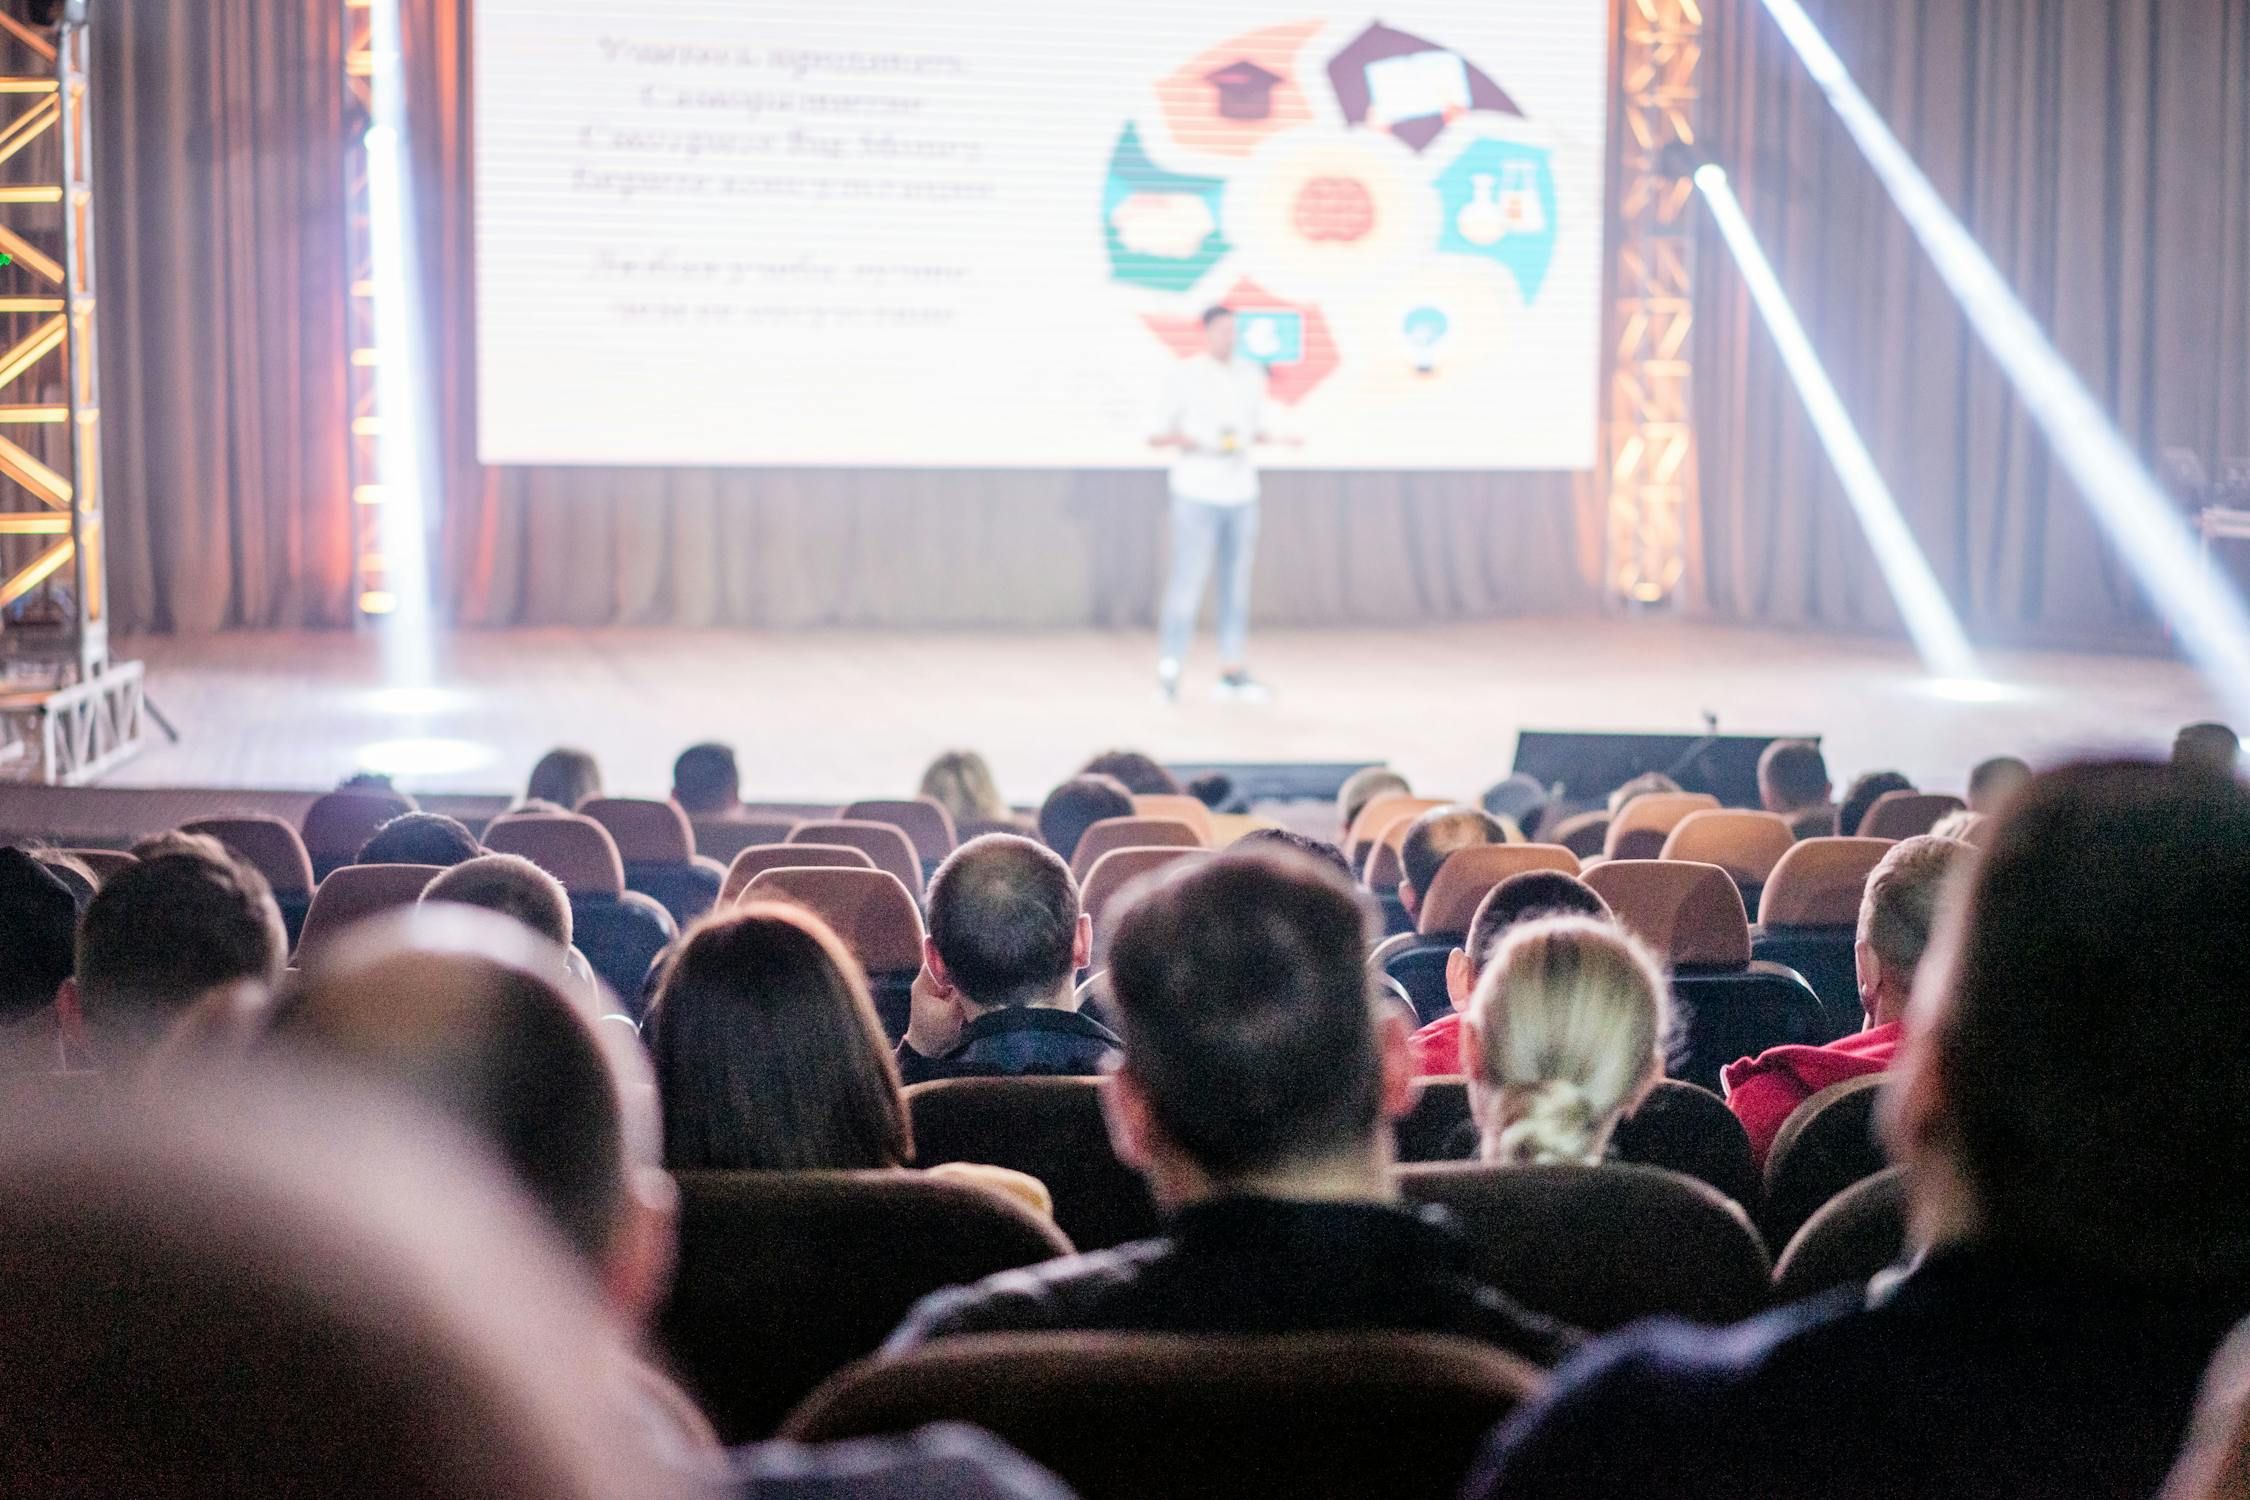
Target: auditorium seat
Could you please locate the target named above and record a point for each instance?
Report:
(1380, 813)
(1747, 845)
(1584, 834)
(924, 821)
(1229, 829)
(759, 858)
(1130, 833)
(1651, 816)
(1123, 1416)
(1602, 1246)
(885, 844)
(786, 1277)
(1179, 806)
(1466, 878)
(657, 845)
(1111, 875)
(337, 824)
(274, 850)
(353, 894)
(1905, 815)
(1438, 1127)
(1050, 1127)
(102, 862)
(723, 838)
(874, 915)
(1725, 1004)
(1691, 1131)
(1808, 919)
(977, 828)
(1827, 1144)
(1855, 1236)
(621, 932)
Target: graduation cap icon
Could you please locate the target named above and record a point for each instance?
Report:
(1245, 90)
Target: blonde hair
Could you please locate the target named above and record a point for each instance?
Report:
(962, 783)
(1569, 1016)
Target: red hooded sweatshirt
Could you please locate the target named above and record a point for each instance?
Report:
(1763, 1090)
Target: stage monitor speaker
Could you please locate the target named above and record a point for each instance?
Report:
(1589, 766)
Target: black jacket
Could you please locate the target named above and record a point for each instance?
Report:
(1019, 1042)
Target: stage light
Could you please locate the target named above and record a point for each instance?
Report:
(423, 756)
(412, 702)
(1929, 616)
(2139, 518)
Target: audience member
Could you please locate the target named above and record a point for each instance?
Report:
(1518, 799)
(1254, 1094)
(1961, 825)
(2213, 747)
(1564, 1037)
(565, 778)
(705, 782)
(1793, 781)
(1215, 790)
(177, 841)
(1646, 784)
(38, 932)
(1995, 782)
(420, 838)
(1362, 787)
(1138, 773)
(996, 997)
(1863, 794)
(960, 782)
(2077, 1167)
(1906, 895)
(1077, 805)
(2216, 1465)
(1435, 837)
(157, 938)
(512, 886)
(1533, 893)
(1269, 839)
(73, 872)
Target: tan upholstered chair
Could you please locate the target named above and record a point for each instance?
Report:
(885, 844)
(1651, 817)
(759, 858)
(924, 821)
(355, 893)
(1905, 815)
(1111, 875)
(1745, 844)
(1130, 833)
(1179, 806)
(1469, 875)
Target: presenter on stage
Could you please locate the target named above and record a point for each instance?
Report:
(1214, 417)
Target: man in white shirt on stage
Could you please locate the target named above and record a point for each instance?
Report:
(1214, 416)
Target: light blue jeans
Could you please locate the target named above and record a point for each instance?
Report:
(1203, 535)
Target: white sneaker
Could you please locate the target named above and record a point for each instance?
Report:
(1240, 687)
(1168, 680)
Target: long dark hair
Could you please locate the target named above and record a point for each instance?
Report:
(768, 1052)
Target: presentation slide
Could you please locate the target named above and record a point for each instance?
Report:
(920, 234)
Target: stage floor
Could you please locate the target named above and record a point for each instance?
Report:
(830, 715)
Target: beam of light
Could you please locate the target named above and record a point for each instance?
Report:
(2125, 498)
(1922, 603)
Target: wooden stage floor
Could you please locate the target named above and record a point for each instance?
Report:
(830, 715)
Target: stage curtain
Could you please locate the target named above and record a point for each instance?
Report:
(219, 151)
(2101, 154)
(897, 547)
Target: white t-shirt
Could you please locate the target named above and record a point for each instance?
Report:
(1217, 407)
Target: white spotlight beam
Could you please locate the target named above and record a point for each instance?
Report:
(2126, 500)
(1922, 603)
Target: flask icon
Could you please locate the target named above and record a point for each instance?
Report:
(1482, 221)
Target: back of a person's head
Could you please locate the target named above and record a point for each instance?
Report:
(177, 841)
(161, 934)
(1793, 774)
(2091, 1055)
(1439, 834)
(705, 778)
(1864, 792)
(1905, 894)
(252, 1288)
(1648, 783)
(1362, 787)
(38, 935)
(455, 1008)
(1519, 898)
(420, 838)
(768, 1052)
(1004, 919)
(1565, 1032)
(1077, 805)
(961, 783)
(1139, 774)
(512, 886)
(564, 777)
(1268, 840)
(1993, 782)
(2212, 747)
(1241, 989)
(1518, 797)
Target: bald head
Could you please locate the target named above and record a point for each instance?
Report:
(1004, 920)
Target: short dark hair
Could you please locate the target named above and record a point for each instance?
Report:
(1216, 311)
(768, 1053)
(2093, 1055)
(158, 936)
(420, 838)
(1077, 805)
(512, 886)
(2211, 746)
(705, 778)
(1004, 917)
(1320, 850)
(177, 841)
(1140, 774)
(1797, 771)
(564, 777)
(1863, 794)
(1519, 898)
(1241, 986)
(38, 934)
(1998, 769)
(1440, 833)
(1362, 787)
